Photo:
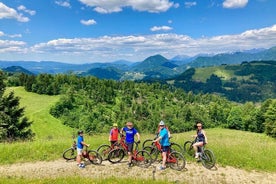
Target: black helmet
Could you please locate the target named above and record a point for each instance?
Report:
(80, 132)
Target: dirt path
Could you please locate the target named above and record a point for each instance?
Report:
(194, 173)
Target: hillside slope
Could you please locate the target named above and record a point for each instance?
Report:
(37, 109)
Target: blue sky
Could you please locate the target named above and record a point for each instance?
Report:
(86, 31)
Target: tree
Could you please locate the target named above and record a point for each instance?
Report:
(13, 124)
(270, 120)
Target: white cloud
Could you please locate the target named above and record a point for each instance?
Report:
(88, 22)
(23, 8)
(137, 48)
(11, 36)
(63, 3)
(234, 3)
(190, 4)
(160, 28)
(10, 13)
(108, 6)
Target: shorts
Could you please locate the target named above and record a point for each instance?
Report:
(113, 142)
(79, 151)
(165, 148)
(129, 147)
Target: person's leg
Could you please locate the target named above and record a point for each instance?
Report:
(79, 156)
(164, 159)
(129, 152)
(195, 146)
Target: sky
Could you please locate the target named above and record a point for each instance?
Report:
(88, 31)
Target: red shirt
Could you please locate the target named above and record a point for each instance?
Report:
(114, 132)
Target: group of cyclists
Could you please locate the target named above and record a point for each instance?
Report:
(130, 133)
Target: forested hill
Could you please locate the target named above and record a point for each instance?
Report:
(250, 81)
(94, 105)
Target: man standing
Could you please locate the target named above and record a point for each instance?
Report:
(130, 133)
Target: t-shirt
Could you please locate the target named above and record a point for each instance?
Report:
(79, 144)
(130, 133)
(165, 137)
(114, 132)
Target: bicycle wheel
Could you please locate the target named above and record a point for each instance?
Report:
(70, 154)
(176, 147)
(94, 157)
(147, 142)
(116, 155)
(152, 150)
(208, 159)
(143, 159)
(188, 148)
(103, 150)
(176, 161)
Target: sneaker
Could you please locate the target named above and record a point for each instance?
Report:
(196, 156)
(162, 168)
(81, 165)
(129, 164)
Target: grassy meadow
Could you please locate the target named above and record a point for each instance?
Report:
(250, 151)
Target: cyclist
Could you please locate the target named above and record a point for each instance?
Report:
(165, 143)
(130, 133)
(201, 139)
(80, 144)
(160, 127)
(113, 135)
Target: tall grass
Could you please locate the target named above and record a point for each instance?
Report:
(239, 149)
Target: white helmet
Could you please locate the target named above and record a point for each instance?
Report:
(162, 123)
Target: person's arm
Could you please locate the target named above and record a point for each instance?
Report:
(83, 143)
(158, 139)
(110, 133)
(204, 133)
(138, 137)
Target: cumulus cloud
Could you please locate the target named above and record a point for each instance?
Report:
(63, 4)
(10, 13)
(190, 4)
(235, 3)
(23, 8)
(137, 48)
(88, 22)
(160, 28)
(107, 6)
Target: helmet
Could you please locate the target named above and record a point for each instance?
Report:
(115, 124)
(80, 132)
(162, 123)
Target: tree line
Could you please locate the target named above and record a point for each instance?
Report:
(94, 105)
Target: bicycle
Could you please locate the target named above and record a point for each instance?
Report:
(104, 149)
(140, 158)
(71, 154)
(175, 159)
(174, 146)
(206, 156)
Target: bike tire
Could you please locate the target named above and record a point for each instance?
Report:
(116, 155)
(176, 147)
(147, 142)
(188, 148)
(94, 157)
(104, 150)
(176, 161)
(152, 150)
(208, 159)
(143, 159)
(70, 154)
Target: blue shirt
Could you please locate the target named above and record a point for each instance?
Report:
(165, 137)
(130, 133)
(79, 144)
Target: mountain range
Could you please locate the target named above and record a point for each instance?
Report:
(153, 67)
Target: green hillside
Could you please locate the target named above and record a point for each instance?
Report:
(252, 151)
(37, 110)
(249, 81)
